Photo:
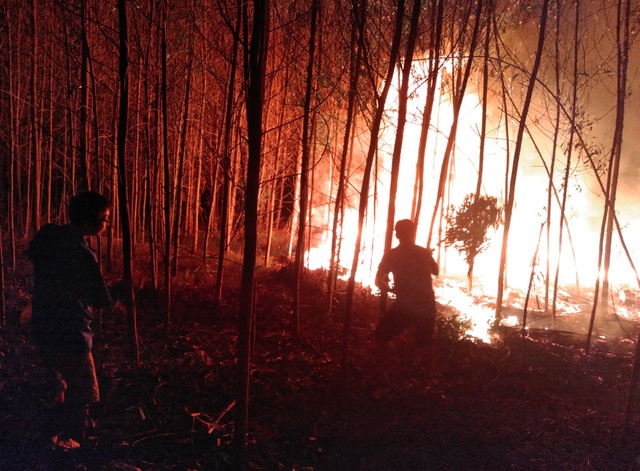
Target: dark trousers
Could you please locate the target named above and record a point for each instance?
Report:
(401, 316)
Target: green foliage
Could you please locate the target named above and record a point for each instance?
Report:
(469, 223)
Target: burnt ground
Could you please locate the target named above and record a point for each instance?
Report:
(539, 403)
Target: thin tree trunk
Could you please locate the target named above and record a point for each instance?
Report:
(554, 152)
(276, 171)
(177, 218)
(355, 59)
(606, 235)
(13, 144)
(167, 170)
(437, 10)
(572, 132)
(516, 158)
(67, 185)
(113, 233)
(371, 153)
(403, 96)
(457, 98)
(198, 169)
(35, 141)
(212, 206)
(616, 151)
(50, 147)
(84, 183)
(127, 262)
(226, 159)
(304, 175)
(255, 56)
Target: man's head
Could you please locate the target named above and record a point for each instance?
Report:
(90, 212)
(406, 230)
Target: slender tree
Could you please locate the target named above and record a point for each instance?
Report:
(567, 169)
(304, 173)
(457, 97)
(380, 103)
(516, 157)
(606, 233)
(167, 170)
(127, 262)
(227, 156)
(355, 61)
(403, 97)
(254, 69)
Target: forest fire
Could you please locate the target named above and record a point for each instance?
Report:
(212, 151)
(532, 253)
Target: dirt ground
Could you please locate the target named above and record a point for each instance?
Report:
(538, 403)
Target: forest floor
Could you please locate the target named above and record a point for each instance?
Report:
(539, 403)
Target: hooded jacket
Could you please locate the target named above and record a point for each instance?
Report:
(67, 283)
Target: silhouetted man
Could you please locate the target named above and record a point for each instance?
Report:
(67, 284)
(414, 304)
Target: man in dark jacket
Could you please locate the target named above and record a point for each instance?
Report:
(67, 285)
(414, 304)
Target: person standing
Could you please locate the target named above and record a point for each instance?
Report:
(68, 284)
(414, 306)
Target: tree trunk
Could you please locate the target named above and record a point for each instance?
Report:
(606, 235)
(457, 98)
(437, 9)
(565, 185)
(13, 143)
(403, 96)
(198, 169)
(516, 158)
(35, 141)
(226, 158)
(127, 262)
(616, 150)
(371, 153)
(355, 60)
(167, 169)
(304, 175)
(177, 218)
(84, 183)
(554, 152)
(255, 56)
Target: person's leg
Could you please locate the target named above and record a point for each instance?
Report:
(56, 387)
(425, 338)
(394, 321)
(83, 391)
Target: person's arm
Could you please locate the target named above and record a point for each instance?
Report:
(434, 269)
(382, 276)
